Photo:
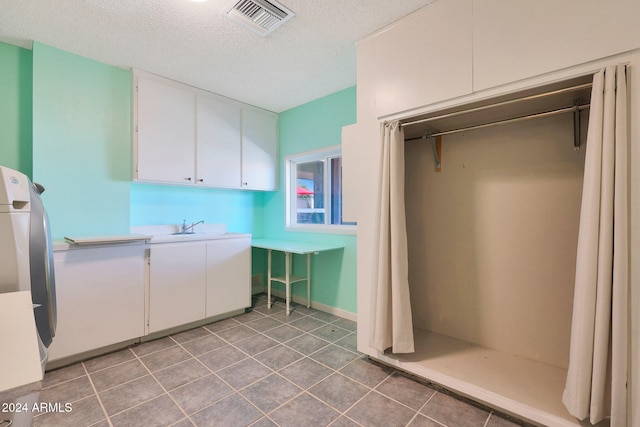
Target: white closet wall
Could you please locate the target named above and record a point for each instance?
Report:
(492, 237)
(483, 282)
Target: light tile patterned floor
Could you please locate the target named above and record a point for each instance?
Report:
(262, 368)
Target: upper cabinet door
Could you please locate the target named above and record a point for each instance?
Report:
(517, 39)
(420, 60)
(165, 133)
(219, 143)
(259, 149)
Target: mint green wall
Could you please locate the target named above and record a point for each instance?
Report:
(81, 142)
(82, 155)
(240, 210)
(15, 108)
(314, 125)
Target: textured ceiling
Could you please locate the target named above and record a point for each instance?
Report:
(310, 56)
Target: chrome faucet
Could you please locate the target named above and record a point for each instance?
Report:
(185, 228)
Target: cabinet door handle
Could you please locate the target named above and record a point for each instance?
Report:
(188, 178)
(201, 180)
(245, 184)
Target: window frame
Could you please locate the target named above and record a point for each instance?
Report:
(290, 165)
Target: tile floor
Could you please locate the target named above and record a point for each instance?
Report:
(261, 368)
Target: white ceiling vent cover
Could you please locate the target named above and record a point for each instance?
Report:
(260, 16)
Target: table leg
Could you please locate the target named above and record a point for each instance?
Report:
(268, 278)
(287, 267)
(308, 280)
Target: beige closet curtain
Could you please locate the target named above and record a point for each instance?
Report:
(391, 323)
(599, 328)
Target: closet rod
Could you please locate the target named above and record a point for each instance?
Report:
(500, 122)
(499, 104)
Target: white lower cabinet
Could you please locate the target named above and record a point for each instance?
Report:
(191, 281)
(106, 294)
(228, 275)
(177, 283)
(100, 296)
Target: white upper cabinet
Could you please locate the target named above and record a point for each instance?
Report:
(219, 143)
(165, 133)
(420, 60)
(259, 149)
(517, 39)
(188, 136)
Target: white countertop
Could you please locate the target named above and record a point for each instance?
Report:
(148, 234)
(20, 369)
(172, 238)
(109, 239)
(75, 242)
(167, 233)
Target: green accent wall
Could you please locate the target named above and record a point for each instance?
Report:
(81, 142)
(311, 126)
(15, 108)
(82, 138)
(153, 204)
(70, 125)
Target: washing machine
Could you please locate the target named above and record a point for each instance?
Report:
(26, 257)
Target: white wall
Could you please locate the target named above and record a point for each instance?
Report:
(507, 21)
(492, 238)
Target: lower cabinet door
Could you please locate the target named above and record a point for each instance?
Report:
(228, 275)
(177, 281)
(100, 298)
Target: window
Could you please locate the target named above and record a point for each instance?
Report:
(314, 191)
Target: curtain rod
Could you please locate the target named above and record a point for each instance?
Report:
(498, 104)
(500, 122)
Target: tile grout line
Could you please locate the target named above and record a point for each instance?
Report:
(274, 372)
(425, 415)
(166, 392)
(212, 372)
(486, 422)
(371, 389)
(40, 414)
(307, 356)
(304, 356)
(104, 410)
(232, 344)
(251, 355)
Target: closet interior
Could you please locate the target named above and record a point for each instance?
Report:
(492, 236)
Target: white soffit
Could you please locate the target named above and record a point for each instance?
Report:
(309, 57)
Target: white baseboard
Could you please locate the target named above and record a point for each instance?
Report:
(319, 306)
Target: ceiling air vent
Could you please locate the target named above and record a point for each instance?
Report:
(260, 16)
